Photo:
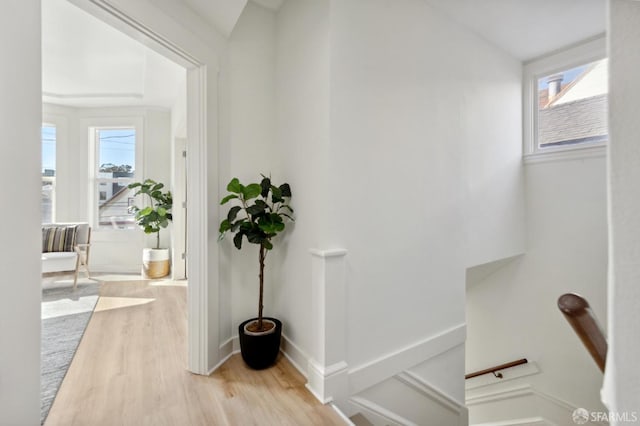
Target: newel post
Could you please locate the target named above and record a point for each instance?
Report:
(327, 370)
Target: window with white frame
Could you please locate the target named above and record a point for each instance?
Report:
(48, 139)
(566, 100)
(115, 155)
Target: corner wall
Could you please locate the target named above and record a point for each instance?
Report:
(248, 152)
(413, 96)
(513, 314)
(378, 121)
(622, 376)
(20, 120)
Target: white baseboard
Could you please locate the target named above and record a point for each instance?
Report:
(387, 366)
(342, 415)
(114, 269)
(538, 399)
(529, 421)
(381, 414)
(296, 356)
(290, 350)
(431, 392)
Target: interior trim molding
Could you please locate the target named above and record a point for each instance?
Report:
(426, 389)
(387, 417)
(389, 365)
(199, 294)
(197, 217)
(108, 7)
(527, 421)
(523, 391)
(93, 95)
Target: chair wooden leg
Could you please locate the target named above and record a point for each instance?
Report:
(75, 274)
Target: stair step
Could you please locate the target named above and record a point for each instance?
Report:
(360, 420)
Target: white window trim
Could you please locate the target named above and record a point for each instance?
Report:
(136, 123)
(52, 179)
(590, 51)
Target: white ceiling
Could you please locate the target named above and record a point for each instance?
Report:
(527, 29)
(87, 63)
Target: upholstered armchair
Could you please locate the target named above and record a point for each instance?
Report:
(65, 248)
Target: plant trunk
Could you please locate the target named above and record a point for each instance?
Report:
(262, 257)
(158, 239)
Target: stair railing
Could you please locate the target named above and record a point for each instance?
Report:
(581, 318)
(496, 370)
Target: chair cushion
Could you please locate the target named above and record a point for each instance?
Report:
(59, 238)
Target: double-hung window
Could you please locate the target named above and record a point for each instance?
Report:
(115, 156)
(566, 99)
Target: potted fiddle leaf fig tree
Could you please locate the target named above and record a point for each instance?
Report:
(259, 214)
(152, 218)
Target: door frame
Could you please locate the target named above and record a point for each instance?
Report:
(201, 331)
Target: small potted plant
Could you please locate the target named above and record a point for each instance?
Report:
(152, 218)
(259, 214)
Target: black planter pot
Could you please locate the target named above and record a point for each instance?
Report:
(262, 350)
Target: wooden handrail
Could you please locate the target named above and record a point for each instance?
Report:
(497, 368)
(579, 314)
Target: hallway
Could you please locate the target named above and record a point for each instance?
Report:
(130, 370)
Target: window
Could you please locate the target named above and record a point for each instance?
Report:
(566, 101)
(115, 169)
(48, 139)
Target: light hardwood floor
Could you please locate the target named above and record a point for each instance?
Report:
(130, 369)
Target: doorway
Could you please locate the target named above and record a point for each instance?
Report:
(199, 89)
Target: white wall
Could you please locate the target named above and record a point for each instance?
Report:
(492, 121)
(20, 121)
(364, 118)
(513, 314)
(409, 92)
(302, 89)
(112, 251)
(622, 374)
(248, 152)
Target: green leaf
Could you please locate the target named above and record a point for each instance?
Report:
(256, 209)
(251, 191)
(162, 211)
(276, 195)
(267, 244)
(145, 211)
(229, 197)
(285, 189)
(266, 187)
(134, 185)
(235, 186)
(271, 224)
(225, 226)
(256, 236)
(233, 212)
(237, 240)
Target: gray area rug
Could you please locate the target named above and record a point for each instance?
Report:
(65, 315)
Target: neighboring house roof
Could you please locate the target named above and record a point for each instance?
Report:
(578, 113)
(584, 120)
(593, 81)
(117, 198)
